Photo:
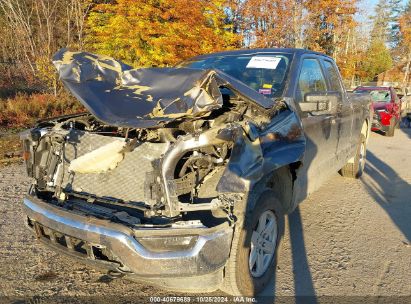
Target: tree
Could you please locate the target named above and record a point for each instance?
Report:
(396, 9)
(329, 25)
(405, 40)
(381, 21)
(159, 32)
(266, 23)
(378, 59)
(351, 59)
(36, 29)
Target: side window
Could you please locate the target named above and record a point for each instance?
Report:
(333, 74)
(311, 79)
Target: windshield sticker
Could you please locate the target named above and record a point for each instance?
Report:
(264, 91)
(267, 86)
(263, 62)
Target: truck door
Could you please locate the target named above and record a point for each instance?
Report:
(344, 118)
(320, 127)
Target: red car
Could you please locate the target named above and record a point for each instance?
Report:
(387, 108)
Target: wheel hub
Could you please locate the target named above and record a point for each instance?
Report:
(263, 243)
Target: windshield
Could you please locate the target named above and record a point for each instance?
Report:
(265, 73)
(377, 95)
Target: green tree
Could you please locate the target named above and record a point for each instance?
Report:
(378, 56)
(396, 10)
(377, 60)
(381, 21)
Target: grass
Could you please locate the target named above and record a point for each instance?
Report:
(22, 111)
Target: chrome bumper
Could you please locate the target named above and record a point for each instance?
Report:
(121, 246)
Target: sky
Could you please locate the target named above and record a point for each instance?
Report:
(366, 8)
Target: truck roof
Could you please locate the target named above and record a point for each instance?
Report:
(373, 88)
(294, 51)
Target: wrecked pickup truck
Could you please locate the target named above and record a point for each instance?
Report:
(182, 176)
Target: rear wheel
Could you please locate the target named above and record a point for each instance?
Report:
(356, 169)
(254, 249)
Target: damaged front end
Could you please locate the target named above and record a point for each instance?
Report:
(169, 149)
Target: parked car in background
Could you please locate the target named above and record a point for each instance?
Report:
(182, 176)
(387, 108)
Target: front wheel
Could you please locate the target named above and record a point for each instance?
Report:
(356, 169)
(254, 249)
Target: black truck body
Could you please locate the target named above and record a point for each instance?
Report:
(182, 176)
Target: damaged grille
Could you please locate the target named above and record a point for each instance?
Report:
(79, 247)
(124, 182)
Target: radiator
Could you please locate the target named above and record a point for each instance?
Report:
(125, 182)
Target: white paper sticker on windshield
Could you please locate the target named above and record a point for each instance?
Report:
(263, 62)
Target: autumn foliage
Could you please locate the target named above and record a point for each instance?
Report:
(405, 29)
(24, 110)
(159, 32)
(164, 32)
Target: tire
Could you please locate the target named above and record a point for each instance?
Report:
(356, 169)
(240, 278)
(391, 129)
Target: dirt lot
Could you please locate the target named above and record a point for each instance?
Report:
(350, 239)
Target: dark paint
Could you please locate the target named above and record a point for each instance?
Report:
(322, 141)
(142, 98)
(280, 143)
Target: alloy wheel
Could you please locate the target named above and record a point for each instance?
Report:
(263, 243)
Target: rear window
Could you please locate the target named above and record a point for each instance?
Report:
(376, 95)
(334, 78)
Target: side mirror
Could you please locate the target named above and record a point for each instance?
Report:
(319, 103)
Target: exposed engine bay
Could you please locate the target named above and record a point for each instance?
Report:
(185, 156)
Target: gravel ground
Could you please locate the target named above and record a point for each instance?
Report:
(349, 240)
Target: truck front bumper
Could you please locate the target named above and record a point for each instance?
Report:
(203, 252)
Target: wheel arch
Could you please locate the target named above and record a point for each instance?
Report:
(281, 182)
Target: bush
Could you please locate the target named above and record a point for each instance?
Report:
(23, 110)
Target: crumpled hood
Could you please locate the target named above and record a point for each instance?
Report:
(122, 96)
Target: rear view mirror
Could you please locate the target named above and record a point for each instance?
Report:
(318, 103)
